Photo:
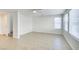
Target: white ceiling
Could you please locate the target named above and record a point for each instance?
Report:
(39, 11)
(8, 10)
(49, 11)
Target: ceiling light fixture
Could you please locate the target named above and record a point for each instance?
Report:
(34, 11)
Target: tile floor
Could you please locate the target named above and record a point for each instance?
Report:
(35, 41)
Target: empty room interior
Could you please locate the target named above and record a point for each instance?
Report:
(39, 29)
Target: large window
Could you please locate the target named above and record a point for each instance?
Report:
(57, 22)
(74, 23)
(65, 21)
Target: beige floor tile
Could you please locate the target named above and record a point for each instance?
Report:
(35, 41)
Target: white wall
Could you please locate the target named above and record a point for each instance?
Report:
(25, 22)
(44, 24)
(13, 18)
(1, 18)
(10, 22)
(0, 25)
(4, 24)
(15, 25)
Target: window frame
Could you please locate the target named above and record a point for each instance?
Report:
(67, 22)
(69, 25)
(69, 28)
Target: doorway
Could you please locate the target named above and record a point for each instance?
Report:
(6, 24)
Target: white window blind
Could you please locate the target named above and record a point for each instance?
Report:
(74, 23)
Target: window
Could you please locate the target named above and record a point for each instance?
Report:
(74, 23)
(57, 23)
(66, 22)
